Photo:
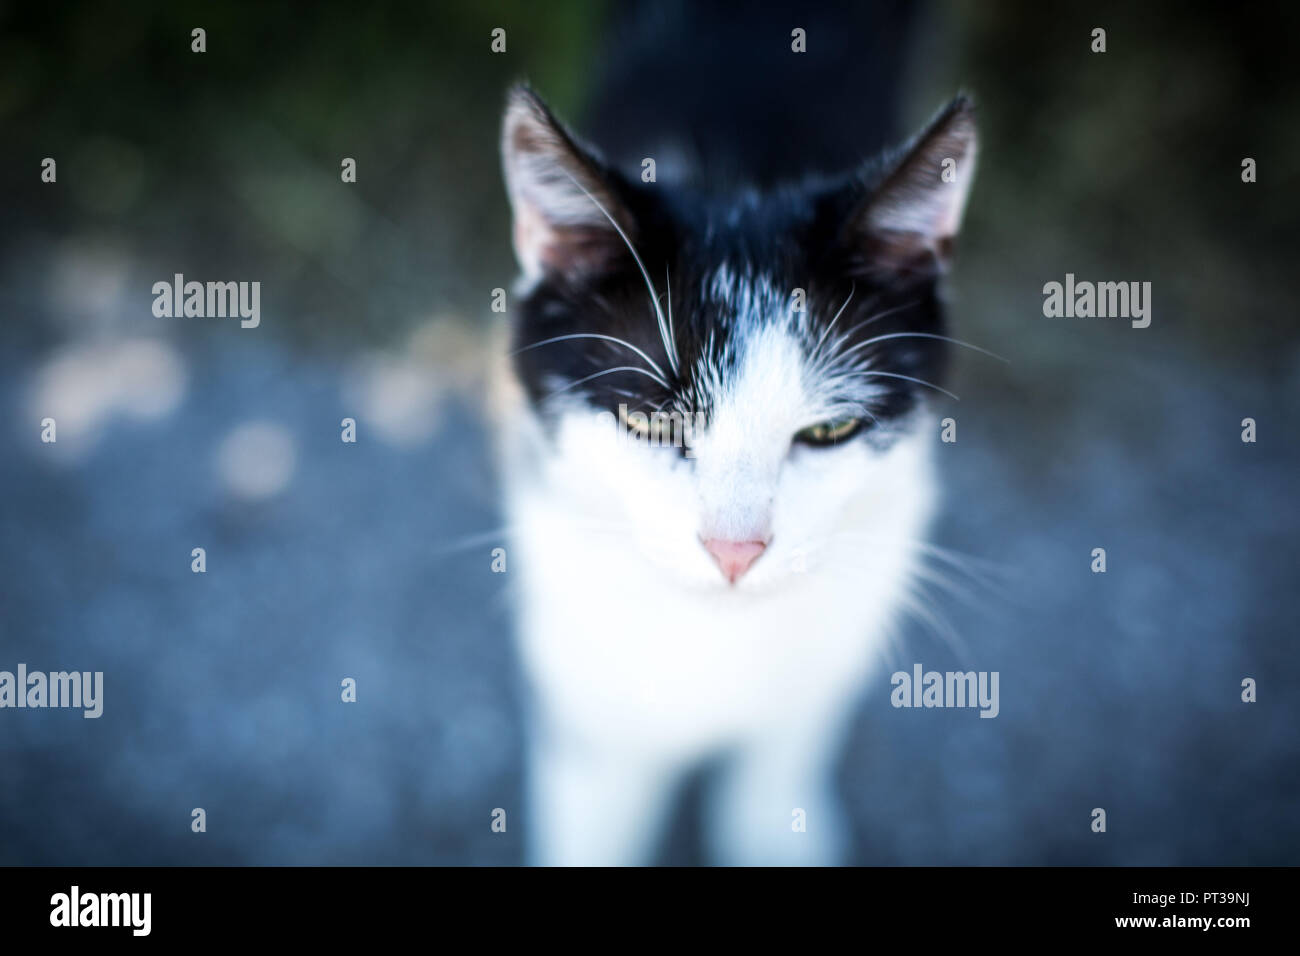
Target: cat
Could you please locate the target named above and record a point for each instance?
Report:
(714, 581)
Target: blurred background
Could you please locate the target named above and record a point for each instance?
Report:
(328, 560)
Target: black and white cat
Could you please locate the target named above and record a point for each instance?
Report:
(715, 579)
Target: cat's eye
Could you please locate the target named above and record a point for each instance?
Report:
(824, 434)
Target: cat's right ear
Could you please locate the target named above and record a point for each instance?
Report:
(567, 218)
(907, 226)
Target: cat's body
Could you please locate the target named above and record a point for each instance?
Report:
(725, 596)
(639, 675)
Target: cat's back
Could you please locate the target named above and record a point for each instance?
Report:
(720, 94)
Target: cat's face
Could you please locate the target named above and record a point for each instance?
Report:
(730, 380)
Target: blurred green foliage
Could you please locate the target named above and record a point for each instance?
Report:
(226, 163)
(1126, 164)
(1122, 165)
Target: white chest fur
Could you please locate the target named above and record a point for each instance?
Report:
(642, 659)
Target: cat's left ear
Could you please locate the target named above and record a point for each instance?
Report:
(907, 225)
(568, 219)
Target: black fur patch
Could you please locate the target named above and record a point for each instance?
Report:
(818, 235)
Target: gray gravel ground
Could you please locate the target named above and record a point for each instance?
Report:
(222, 690)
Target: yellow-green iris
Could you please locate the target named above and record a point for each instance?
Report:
(829, 433)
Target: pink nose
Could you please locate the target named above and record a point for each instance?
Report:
(734, 557)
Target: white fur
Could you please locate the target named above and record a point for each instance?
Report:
(645, 661)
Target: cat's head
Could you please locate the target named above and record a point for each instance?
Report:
(732, 379)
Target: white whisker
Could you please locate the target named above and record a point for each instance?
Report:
(907, 378)
(672, 333)
(840, 340)
(494, 536)
(654, 295)
(829, 328)
(919, 335)
(608, 371)
(597, 335)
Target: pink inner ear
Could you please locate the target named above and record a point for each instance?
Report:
(581, 248)
(531, 236)
(904, 254)
(910, 223)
